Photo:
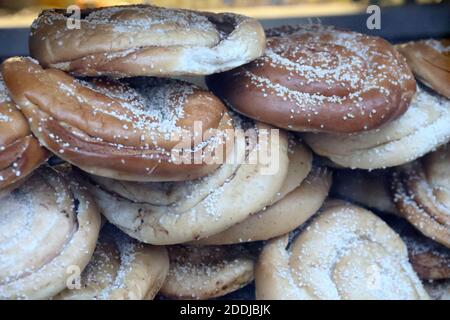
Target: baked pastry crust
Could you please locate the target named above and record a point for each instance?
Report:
(172, 213)
(346, 252)
(321, 79)
(423, 128)
(49, 228)
(20, 152)
(302, 194)
(129, 131)
(430, 62)
(144, 40)
(421, 193)
(121, 269)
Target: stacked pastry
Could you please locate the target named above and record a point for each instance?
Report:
(414, 194)
(204, 191)
(355, 102)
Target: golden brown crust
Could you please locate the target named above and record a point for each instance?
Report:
(430, 62)
(145, 40)
(318, 78)
(127, 131)
(20, 152)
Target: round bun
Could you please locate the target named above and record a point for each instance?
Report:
(49, 228)
(321, 79)
(344, 253)
(421, 192)
(144, 40)
(430, 62)
(121, 269)
(207, 272)
(140, 130)
(423, 128)
(172, 213)
(20, 152)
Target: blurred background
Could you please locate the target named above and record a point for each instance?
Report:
(401, 20)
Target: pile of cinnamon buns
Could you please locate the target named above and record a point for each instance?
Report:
(149, 152)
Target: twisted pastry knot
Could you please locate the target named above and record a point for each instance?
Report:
(430, 62)
(423, 128)
(54, 222)
(145, 40)
(20, 152)
(318, 78)
(142, 130)
(121, 269)
(171, 213)
(344, 253)
(208, 272)
(422, 194)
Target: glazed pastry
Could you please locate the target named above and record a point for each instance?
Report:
(423, 128)
(20, 152)
(321, 79)
(421, 192)
(207, 272)
(430, 62)
(172, 213)
(145, 40)
(346, 252)
(141, 130)
(48, 229)
(121, 268)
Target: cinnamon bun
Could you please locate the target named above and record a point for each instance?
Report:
(430, 62)
(344, 253)
(48, 230)
(141, 130)
(421, 192)
(172, 213)
(121, 268)
(302, 194)
(20, 152)
(423, 128)
(322, 79)
(144, 40)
